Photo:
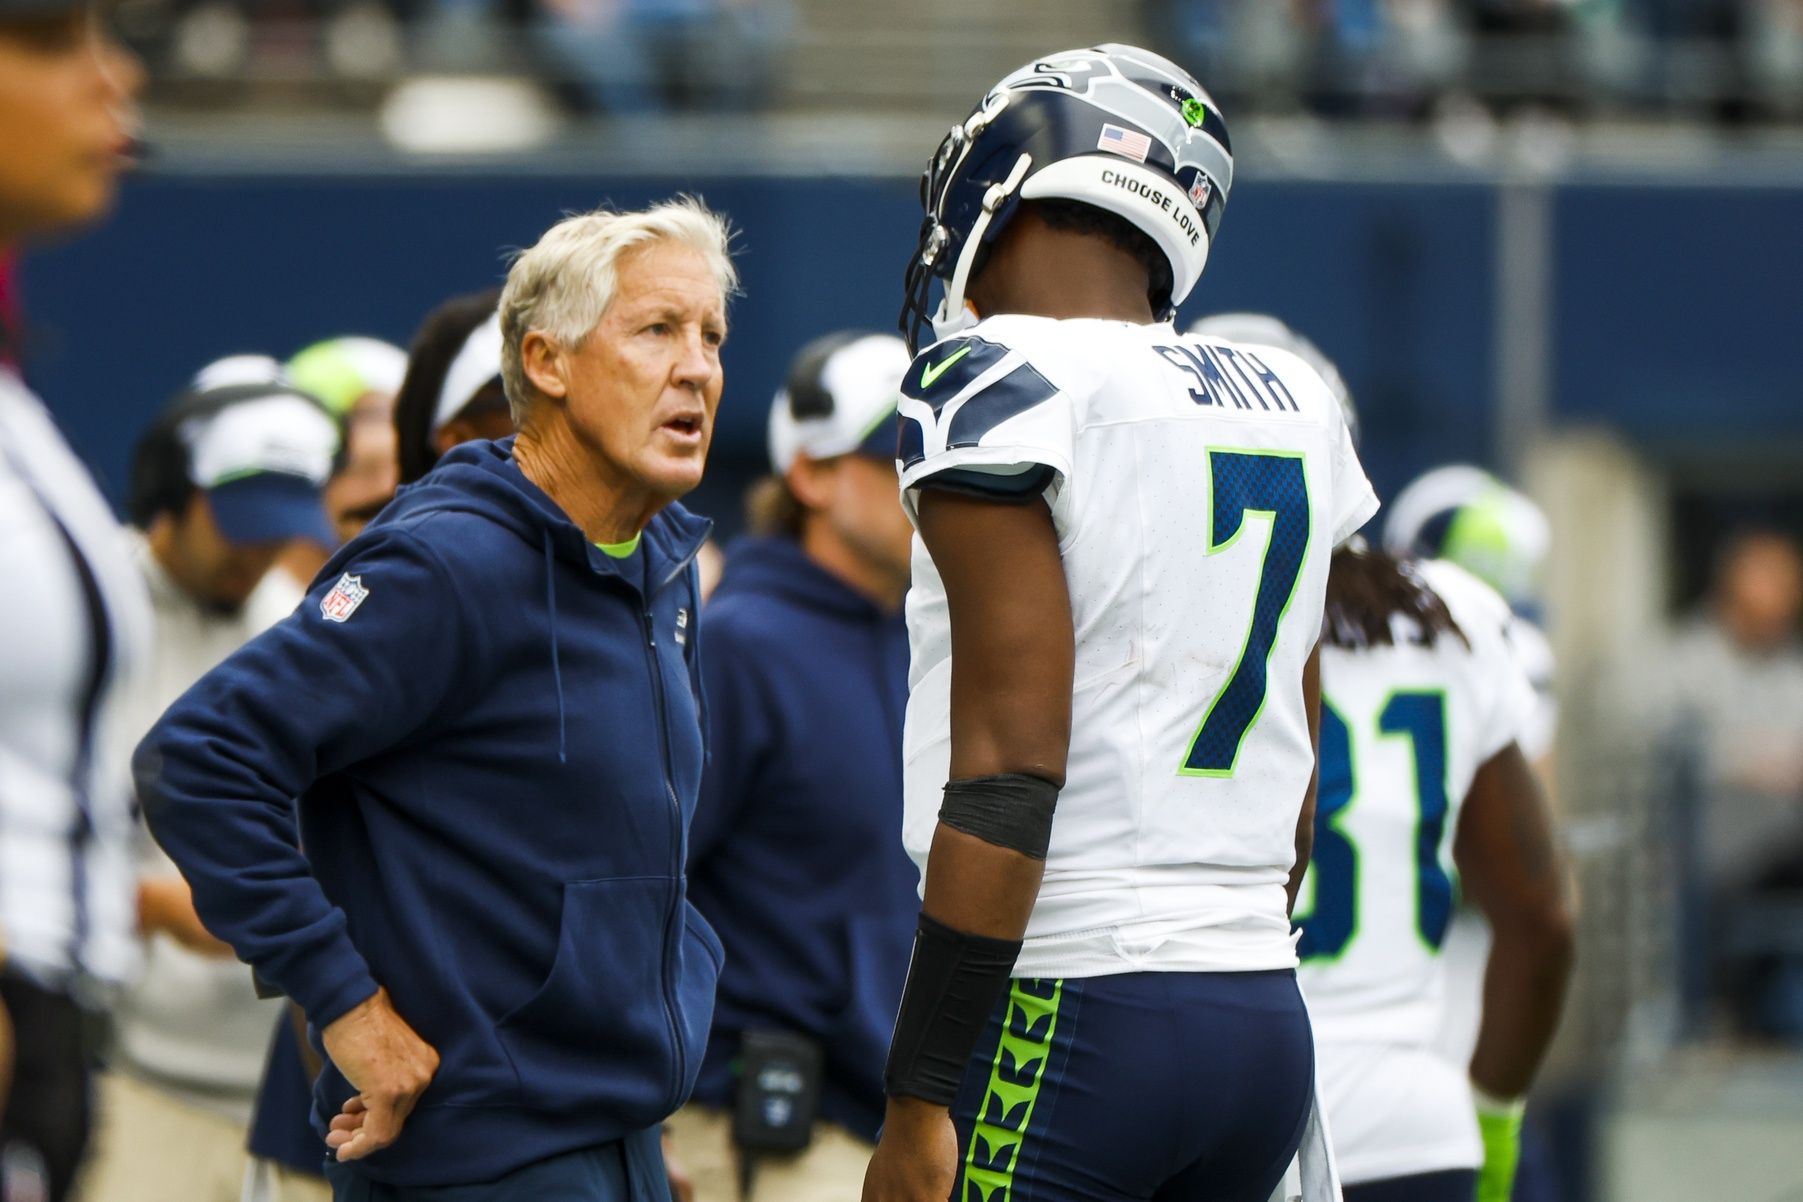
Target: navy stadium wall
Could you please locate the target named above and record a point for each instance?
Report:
(1674, 306)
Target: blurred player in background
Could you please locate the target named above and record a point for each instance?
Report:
(793, 855)
(1732, 700)
(74, 624)
(357, 378)
(452, 390)
(1466, 516)
(1424, 710)
(1115, 608)
(225, 479)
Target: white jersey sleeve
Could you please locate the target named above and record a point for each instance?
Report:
(979, 412)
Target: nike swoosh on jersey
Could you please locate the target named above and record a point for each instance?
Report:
(966, 361)
(929, 374)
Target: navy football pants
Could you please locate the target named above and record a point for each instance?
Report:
(1155, 1087)
(628, 1170)
(1454, 1185)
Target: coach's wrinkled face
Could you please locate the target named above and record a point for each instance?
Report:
(642, 389)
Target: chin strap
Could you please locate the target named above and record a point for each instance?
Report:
(953, 314)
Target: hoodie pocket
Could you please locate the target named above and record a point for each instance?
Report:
(597, 1035)
(698, 974)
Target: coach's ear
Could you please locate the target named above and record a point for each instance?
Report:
(545, 365)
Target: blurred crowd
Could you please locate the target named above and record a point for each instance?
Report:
(613, 56)
(1729, 708)
(1728, 60)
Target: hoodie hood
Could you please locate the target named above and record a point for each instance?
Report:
(483, 477)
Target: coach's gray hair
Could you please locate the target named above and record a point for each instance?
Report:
(562, 286)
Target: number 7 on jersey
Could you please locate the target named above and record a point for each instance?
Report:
(1243, 484)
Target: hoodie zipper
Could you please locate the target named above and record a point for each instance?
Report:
(670, 914)
(673, 914)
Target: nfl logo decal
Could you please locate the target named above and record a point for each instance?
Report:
(1200, 190)
(339, 604)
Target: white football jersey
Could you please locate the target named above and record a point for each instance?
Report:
(1197, 488)
(1404, 730)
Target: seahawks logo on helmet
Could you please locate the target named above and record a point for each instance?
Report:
(1113, 126)
(1071, 74)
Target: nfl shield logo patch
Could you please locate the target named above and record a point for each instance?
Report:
(339, 604)
(1200, 190)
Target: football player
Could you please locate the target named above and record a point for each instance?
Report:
(1467, 516)
(1426, 715)
(1123, 544)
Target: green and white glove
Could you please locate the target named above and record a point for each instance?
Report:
(1499, 1125)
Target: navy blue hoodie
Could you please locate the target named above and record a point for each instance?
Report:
(797, 855)
(496, 751)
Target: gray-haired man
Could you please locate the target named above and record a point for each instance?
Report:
(488, 708)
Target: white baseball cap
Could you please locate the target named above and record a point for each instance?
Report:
(263, 460)
(840, 397)
(232, 371)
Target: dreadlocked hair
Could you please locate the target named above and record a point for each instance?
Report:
(1075, 217)
(1368, 590)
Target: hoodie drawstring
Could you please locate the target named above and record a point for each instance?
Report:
(556, 664)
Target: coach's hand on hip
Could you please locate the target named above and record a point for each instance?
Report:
(916, 1159)
(389, 1064)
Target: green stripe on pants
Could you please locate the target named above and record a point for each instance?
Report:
(1014, 1079)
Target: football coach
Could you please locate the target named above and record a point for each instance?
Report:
(487, 708)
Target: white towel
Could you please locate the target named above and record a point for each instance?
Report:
(1312, 1176)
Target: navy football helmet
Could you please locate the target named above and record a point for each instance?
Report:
(1115, 127)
